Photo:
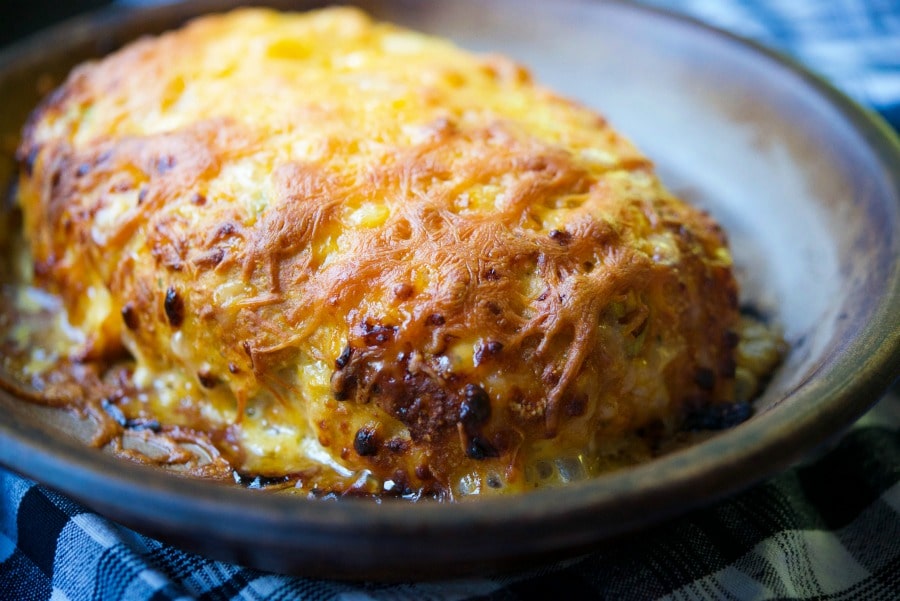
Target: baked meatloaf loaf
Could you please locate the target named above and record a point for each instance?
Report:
(360, 259)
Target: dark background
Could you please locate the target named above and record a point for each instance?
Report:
(19, 18)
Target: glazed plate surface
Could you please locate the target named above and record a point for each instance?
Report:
(806, 183)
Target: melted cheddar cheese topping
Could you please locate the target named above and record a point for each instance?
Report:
(364, 258)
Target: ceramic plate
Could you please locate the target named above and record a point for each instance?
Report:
(805, 182)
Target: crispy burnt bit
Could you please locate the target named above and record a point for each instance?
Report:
(130, 317)
(214, 254)
(418, 399)
(475, 409)
(351, 373)
(397, 446)
(344, 358)
(174, 306)
(207, 378)
(474, 412)
(479, 448)
(366, 442)
(561, 237)
(377, 334)
(493, 308)
(343, 385)
(210, 259)
(404, 291)
(492, 275)
(225, 230)
(485, 351)
(344, 379)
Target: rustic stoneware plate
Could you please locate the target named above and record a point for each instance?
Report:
(806, 182)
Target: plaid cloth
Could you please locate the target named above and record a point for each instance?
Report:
(853, 43)
(829, 529)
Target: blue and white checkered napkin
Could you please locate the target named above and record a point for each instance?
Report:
(827, 530)
(853, 43)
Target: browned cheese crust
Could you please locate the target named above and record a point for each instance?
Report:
(346, 250)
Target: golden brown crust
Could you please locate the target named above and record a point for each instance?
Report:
(426, 263)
